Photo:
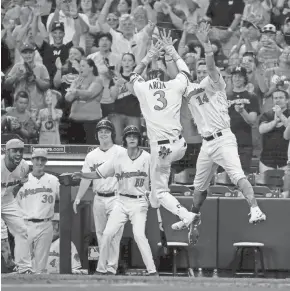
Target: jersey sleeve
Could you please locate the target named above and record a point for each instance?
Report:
(137, 81)
(181, 81)
(88, 164)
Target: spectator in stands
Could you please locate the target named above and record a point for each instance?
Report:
(85, 93)
(127, 107)
(124, 7)
(54, 252)
(65, 75)
(67, 14)
(228, 8)
(284, 40)
(280, 12)
(106, 63)
(272, 127)
(286, 192)
(259, 10)
(49, 118)
(249, 39)
(169, 17)
(268, 51)
(50, 52)
(31, 77)
(22, 123)
(113, 21)
(88, 7)
(276, 78)
(126, 40)
(141, 14)
(243, 111)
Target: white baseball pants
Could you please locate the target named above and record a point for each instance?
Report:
(40, 238)
(12, 216)
(126, 209)
(162, 157)
(221, 151)
(102, 209)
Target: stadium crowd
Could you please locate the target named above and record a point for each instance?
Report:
(66, 63)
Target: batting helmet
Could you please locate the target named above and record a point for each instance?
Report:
(106, 124)
(131, 129)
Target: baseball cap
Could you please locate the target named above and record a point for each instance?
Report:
(57, 25)
(27, 47)
(269, 28)
(39, 153)
(239, 70)
(14, 143)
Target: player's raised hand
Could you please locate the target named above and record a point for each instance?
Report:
(202, 32)
(168, 42)
(155, 50)
(75, 205)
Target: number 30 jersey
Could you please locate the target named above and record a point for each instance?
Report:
(160, 104)
(207, 102)
(37, 196)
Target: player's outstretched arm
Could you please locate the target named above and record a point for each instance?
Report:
(88, 175)
(154, 51)
(202, 33)
(171, 51)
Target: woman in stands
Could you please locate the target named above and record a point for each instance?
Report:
(127, 107)
(85, 94)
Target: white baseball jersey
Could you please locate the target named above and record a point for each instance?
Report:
(96, 158)
(160, 104)
(208, 104)
(37, 196)
(11, 179)
(53, 259)
(132, 175)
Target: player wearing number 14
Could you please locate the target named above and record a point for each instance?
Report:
(36, 199)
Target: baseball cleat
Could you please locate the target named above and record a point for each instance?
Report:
(256, 215)
(154, 274)
(183, 224)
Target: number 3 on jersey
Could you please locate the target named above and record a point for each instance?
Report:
(161, 99)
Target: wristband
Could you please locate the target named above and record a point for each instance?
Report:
(209, 53)
(145, 60)
(207, 47)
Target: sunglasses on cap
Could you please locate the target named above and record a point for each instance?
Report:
(112, 19)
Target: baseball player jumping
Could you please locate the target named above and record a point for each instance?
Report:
(160, 104)
(131, 168)
(105, 188)
(209, 107)
(37, 199)
(14, 170)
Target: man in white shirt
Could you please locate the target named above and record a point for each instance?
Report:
(127, 40)
(68, 14)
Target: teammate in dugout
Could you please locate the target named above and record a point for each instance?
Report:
(131, 168)
(160, 104)
(14, 170)
(208, 104)
(104, 189)
(36, 200)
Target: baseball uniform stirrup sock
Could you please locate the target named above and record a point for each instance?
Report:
(194, 209)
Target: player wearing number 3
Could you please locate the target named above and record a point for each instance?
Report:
(37, 199)
(209, 107)
(160, 104)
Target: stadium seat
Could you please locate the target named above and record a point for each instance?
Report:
(182, 182)
(223, 179)
(241, 247)
(266, 192)
(221, 191)
(271, 178)
(174, 248)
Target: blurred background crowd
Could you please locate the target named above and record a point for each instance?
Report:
(65, 64)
